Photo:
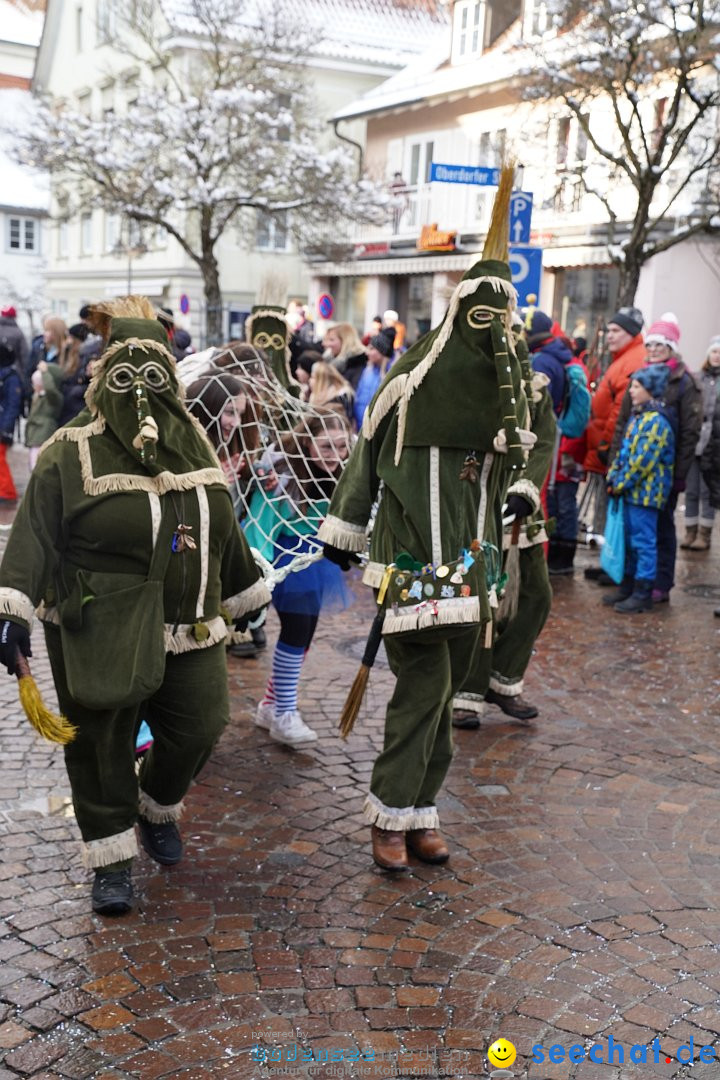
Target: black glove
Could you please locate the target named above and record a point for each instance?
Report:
(243, 622)
(344, 559)
(13, 638)
(519, 506)
(603, 453)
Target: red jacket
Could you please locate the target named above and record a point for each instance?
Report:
(608, 399)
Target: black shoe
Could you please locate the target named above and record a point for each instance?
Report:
(592, 573)
(624, 590)
(465, 720)
(716, 612)
(112, 892)
(244, 649)
(512, 705)
(259, 638)
(604, 580)
(161, 841)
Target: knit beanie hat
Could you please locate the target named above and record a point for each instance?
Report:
(665, 331)
(8, 312)
(79, 331)
(541, 326)
(654, 378)
(630, 319)
(384, 342)
(714, 344)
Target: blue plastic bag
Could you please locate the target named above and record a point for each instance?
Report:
(612, 556)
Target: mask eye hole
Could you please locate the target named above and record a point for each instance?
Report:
(277, 342)
(155, 376)
(479, 318)
(120, 379)
(262, 340)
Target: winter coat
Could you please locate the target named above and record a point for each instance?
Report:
(709, 384)
(368, 383)
(44, 418)
(551, 359)
(13, 339)
(642, 472)
(352, 368)
(683, 397)
(710, 460)
(571, 453)
(11, 396)
(608, 400)
(74, 388)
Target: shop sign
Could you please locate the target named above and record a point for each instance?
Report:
(373, 250)
(433, 239)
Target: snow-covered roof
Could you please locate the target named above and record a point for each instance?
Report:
(21, 188)
(19, 25)
(383, 32)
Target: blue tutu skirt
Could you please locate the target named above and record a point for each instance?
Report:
(319, 587)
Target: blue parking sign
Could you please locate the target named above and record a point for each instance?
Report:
(521, 204)
(526, 270)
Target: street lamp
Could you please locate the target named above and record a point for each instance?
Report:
(131, 249)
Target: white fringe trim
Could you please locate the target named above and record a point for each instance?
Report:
(342, 534)
(462, 609)
(528, 490)
(373, 575)
(183, 641)
(255, 596)
(14, 602)
(470, 702)
(157, 814)
(506, 687)
(110, 849)
(399, 819)
(540, 537)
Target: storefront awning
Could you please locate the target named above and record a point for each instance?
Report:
(419, 264)
(568, 257)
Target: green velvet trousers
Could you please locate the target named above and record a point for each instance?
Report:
(186, 716)
(503, 667)
(429, 666)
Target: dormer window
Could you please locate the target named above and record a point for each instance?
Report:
(468, 29)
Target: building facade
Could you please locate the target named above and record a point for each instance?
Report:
(449, 119)
(95, 255)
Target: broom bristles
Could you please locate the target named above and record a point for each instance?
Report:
(48, 724)
(511, 597)
(497, 241)
(354, 701)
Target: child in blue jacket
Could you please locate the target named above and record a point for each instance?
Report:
(642, 474)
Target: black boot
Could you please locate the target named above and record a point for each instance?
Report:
(639, 600)
(561, 556)
(624, 590)
(112, 891)
(161, 841)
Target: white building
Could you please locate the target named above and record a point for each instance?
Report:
(359, 43)
(461, 105)
(24, 194)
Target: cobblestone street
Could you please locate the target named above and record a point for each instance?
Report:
(579, 901)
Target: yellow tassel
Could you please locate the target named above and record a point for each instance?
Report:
(55, 728)
(354, 701)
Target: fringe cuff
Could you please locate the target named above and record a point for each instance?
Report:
(156, 813)
(110, 849)
(540, 537)
(17, 604)
(528, 490)
(463, 609)
(373, 575)
(342, 534)
(399, 819)
(506, 687)
(250, 599)
(470, 702)
(184, 640)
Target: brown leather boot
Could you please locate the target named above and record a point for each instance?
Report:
(691, 532)
(388, 848)
(702, 540)
(428, 845)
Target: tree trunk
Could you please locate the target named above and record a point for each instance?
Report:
(629, 278)
(213, 302)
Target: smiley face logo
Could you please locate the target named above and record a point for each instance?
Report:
(502, 1054)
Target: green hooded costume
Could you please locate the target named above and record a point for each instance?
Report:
(266, 328)
(445, 435)
(132, 471)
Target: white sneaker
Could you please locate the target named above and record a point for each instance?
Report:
(265, 715)
(290, 728)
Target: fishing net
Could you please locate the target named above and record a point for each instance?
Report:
(282, 457)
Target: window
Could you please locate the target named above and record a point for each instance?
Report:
(106, 21)
(84, 102)
(63, 240)
(271, 232)
(86, 234)
(491, 148)
(563, 138)
(79, 28)
(421, 157)
(468, 30)
(22, 235)
(500, 14)
(537, 19)
(112, 231)
(581, 145)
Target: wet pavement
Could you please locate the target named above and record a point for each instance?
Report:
(579, 902)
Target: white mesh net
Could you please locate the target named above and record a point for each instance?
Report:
(282, 457)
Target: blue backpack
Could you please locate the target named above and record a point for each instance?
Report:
(576, 411)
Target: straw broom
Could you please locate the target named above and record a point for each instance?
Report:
(359, 686)
(55, 728)
(511, 596)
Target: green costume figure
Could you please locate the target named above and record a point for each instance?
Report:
(446, 427)
(499, 672)
(266, 328)
(130, 489)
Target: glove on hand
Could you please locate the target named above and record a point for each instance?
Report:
(519, 506)
(344, 559)
(244, 621)
(13, 638)
(603, 453)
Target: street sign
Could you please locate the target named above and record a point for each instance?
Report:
(464, 174)
(521, 203)
(526, 269)
(184, 304)
(325, 306)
